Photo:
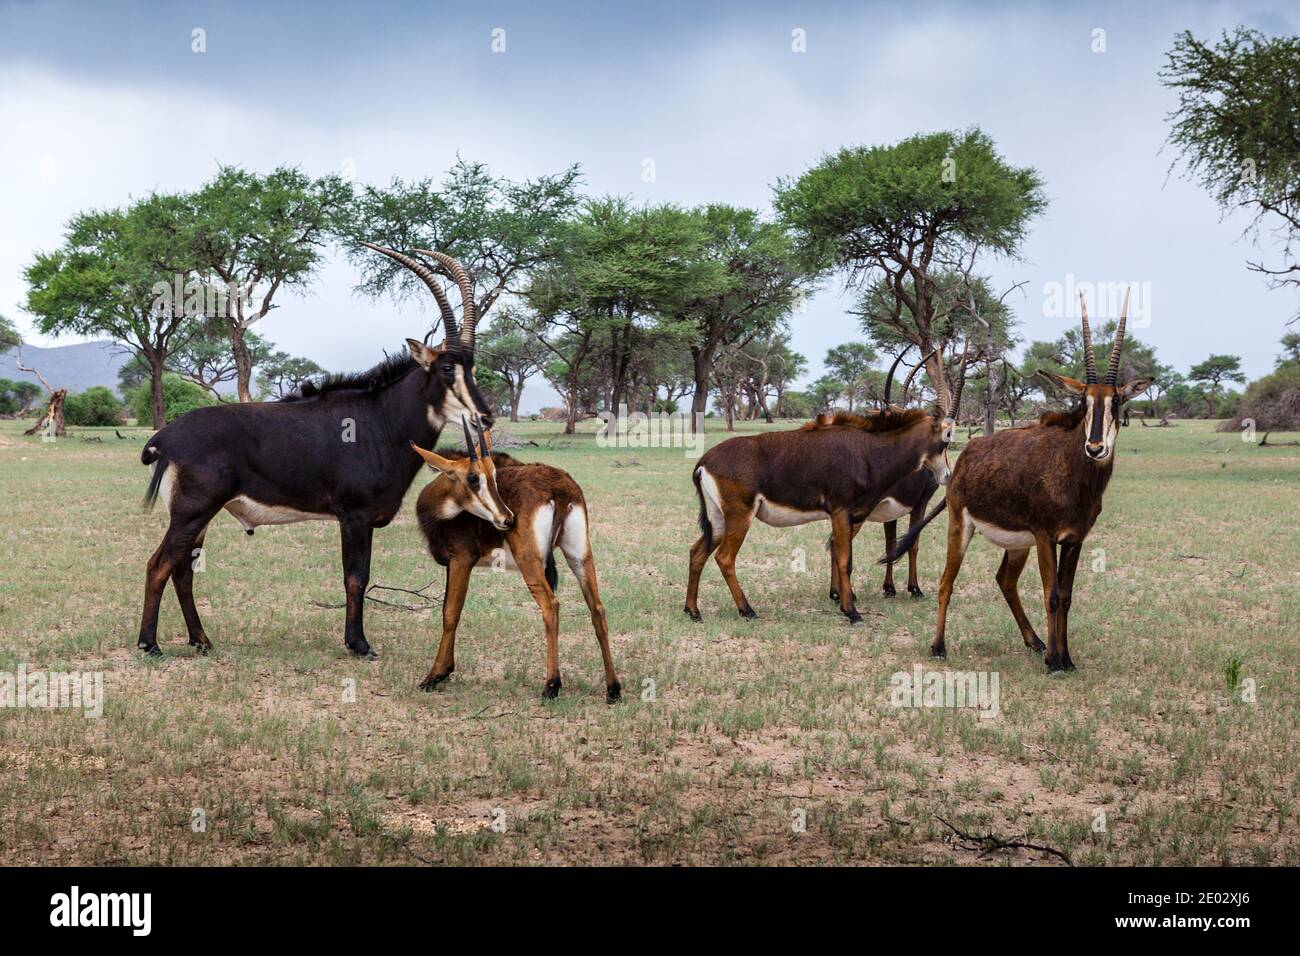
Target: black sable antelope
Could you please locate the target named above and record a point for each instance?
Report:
(337, 450)
(841, 470)
(548, 512)
(909, 496)
(1037, 486)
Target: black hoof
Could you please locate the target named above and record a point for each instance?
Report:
(362, 649)
(853, 616)
(693, 615)
(939, 651)
(1054, 664)
(1067, 663)
(432, 681)
(201, 647)
(748, 613)
(151, 650)
(552, 689)
(915, 592)
(613, 693)
(1037, 646)
(888, 590)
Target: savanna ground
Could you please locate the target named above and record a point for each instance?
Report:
(730, 732)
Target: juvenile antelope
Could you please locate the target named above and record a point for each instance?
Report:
(488, 510)
(840, 469)
(1038, 486)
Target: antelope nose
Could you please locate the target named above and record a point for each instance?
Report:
(1095, 449)
(508, 523)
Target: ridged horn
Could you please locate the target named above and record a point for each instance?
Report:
(427, 276)
(907, 382)
(961, 379)
(469, 440)
(1112, 373)
(889, 379)
(469, 312)
(1089, 363)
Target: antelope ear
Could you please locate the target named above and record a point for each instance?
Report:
(1134, 388)
(422, 354)
(434, 461)
(1071, 385)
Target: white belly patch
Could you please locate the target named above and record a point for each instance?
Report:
(780, 516)
(888, 510)
(251, 514)
(1010, 540)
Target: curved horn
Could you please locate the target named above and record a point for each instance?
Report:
(427, 276)
(1089, 363)
(1113, 372)
(469, 440)
(907, 382)
(469, 312)
(889, 379)
(961, 379)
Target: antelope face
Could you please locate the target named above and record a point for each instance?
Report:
(473, 487)
(451, 390)
(942, 432)
(1101, 405)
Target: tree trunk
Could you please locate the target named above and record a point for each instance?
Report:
(51, 422)
(516, 396)
(243, 363)
(157, 403)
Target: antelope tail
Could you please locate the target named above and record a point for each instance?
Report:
(905, 543)
(153, 455)
(706, 526)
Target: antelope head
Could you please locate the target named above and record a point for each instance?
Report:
(472, 482)
(943, 423)
(452, 391)
(1101, 400)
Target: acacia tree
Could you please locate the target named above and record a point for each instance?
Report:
(206, 358)
(258, 235)
(1237, 126)
(503, 231)
(511, 354)
(1212, 373)
(102, 280)
(905, 215)
(755, 279)
(851, 365)
(281, 374)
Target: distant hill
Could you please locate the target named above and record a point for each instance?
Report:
(74, 367)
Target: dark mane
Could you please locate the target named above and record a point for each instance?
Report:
(884, 421)
(392, 369)
(1067, 419)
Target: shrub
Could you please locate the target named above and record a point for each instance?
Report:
(180, 395)
(94, 406)
(1273, 402)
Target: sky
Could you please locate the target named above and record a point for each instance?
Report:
(102, 103)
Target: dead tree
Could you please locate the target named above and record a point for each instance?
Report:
(51, 423)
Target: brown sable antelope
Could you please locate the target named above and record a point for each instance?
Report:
(909, 496)
(841, 469)
(547, 511)
(1038, 486)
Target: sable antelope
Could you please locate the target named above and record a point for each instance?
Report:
(1037, 486)
(335, 450)
(548, 510)
(908, 497)
(842, 470)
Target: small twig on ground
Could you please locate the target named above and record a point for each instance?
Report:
(1193, 557)
(990, 842)
(429, 602)
(1043, 749)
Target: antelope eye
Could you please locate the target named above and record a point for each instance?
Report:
(472, 480)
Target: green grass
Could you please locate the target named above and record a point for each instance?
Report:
(730, 729)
